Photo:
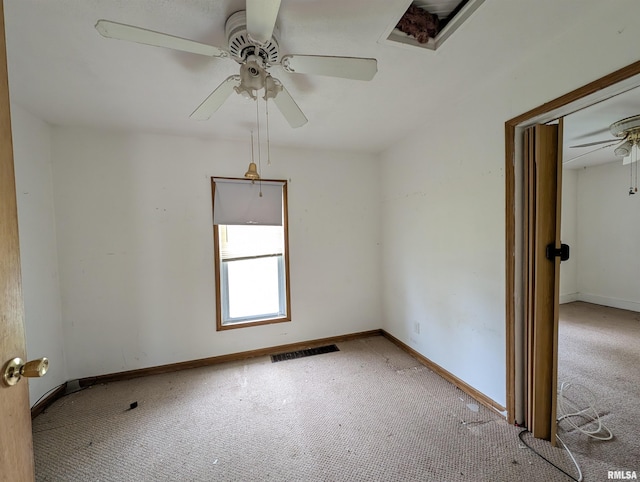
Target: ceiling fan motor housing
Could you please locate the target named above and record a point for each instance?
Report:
(625, 127)
(241, 46)
(629, 130)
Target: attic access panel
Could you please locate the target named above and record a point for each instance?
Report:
(450, 14)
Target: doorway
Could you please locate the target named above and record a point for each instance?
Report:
(517, 245)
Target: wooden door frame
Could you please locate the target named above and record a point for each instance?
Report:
(614, 83)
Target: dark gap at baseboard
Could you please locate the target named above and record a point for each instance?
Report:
(292, 355)
(48, 398)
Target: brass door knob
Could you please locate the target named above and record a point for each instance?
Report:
(15, 369)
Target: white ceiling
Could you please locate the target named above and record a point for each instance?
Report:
(64, 72)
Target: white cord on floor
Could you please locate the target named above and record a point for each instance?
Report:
(563, 405)
(569, 409)
(575, 462)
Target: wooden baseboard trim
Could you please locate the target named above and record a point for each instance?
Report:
(450, 377)
(173, 367)
(42, 405)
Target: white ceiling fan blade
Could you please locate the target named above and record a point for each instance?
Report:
(290, 110)
(216, 98)
(589, 144)
(589, 152)
(261, 19)
(140, 35)
(355, 68)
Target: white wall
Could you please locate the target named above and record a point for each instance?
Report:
(569, 268)
(608, 230)
(40, 281)
(133, 213)
(134, 222)
(444, 254)
(443, 186)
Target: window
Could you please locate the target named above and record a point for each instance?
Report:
(250, 243)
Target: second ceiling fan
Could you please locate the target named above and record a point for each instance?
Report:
(627, 138)
(252, 38)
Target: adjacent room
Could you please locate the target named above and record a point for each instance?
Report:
(386, 145)
(599, 326)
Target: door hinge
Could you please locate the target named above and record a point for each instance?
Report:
(562, 252)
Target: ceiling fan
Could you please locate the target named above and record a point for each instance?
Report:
(627, 132)
(252, 37)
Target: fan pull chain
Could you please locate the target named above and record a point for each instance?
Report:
(266, 109)
(634, 148)
(630, 176)
(252, 146)
(633, 159)
(259, 163)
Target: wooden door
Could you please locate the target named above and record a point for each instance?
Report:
(542, 186)
(556, 283)
(16, 449)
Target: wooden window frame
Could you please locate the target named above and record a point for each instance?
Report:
(217, 266)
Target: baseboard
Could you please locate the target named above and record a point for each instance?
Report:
(450, 377)
(569, 298)
(611, 302)
(41, 406)
(173, 367)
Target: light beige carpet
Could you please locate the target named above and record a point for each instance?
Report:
(599, 349)
(369, 412)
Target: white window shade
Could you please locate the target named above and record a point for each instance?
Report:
(238, 202)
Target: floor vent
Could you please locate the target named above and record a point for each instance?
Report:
(292, 355)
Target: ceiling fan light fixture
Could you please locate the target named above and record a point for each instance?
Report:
(624, 149)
